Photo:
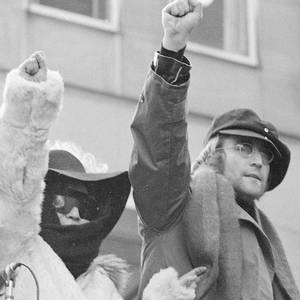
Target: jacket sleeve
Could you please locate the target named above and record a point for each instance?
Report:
(160, 164)
(27, 112)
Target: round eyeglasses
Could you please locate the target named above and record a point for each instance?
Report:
(247, 150)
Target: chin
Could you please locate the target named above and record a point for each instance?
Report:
(253, 189)
(250, 194)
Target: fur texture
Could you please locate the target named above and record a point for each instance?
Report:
(27, 112)
(114, 267)
(31, 104)
(29, 108)
(106, 276)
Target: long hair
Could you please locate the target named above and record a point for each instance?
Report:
(211, 156)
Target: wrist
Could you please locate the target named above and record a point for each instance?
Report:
(174, 44)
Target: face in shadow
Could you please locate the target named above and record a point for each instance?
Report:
(69, 210)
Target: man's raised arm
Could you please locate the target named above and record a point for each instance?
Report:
(160, 163)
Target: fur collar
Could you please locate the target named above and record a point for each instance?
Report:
(212, 231)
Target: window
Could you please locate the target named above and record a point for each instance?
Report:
(96, 13)
(92, 8)
(228, 31)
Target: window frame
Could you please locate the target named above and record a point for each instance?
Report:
(252, 59)
(113, 25)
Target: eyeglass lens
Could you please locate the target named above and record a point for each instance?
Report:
(248, 150)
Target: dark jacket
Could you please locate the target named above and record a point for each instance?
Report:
(187, 222)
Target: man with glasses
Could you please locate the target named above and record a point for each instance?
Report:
(206, 217)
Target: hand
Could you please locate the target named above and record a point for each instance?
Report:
(179, 18)
(166, 285)
(34, 68)
(32, 95)
(192, 278)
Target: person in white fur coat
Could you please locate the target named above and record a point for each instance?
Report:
(32, 100)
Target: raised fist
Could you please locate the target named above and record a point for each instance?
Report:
(32, 95)
(34, 68)
(179, 18)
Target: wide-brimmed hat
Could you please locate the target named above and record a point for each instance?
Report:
(106, 195)
(245, 122)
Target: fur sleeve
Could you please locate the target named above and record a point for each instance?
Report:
(106, 278)
(27, 112)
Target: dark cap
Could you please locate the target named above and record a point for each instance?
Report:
(245, 122)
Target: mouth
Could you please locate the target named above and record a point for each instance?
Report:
(255, 176)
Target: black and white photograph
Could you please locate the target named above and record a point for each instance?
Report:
(150, 150)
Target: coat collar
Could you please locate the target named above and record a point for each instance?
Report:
(221, 219)
(219, 229)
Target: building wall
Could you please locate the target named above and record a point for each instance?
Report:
(104, 73)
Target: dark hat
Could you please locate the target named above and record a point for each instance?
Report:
(105, 197)
(245, 122)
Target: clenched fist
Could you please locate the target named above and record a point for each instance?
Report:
(34, 68)
(179, 18)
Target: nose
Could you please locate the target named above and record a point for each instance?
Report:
(257, 159)
(74, 214)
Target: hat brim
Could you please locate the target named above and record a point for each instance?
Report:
(279, 165)
(86, 176)
(248, 133)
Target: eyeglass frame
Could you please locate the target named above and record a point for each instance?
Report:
(263, 154)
